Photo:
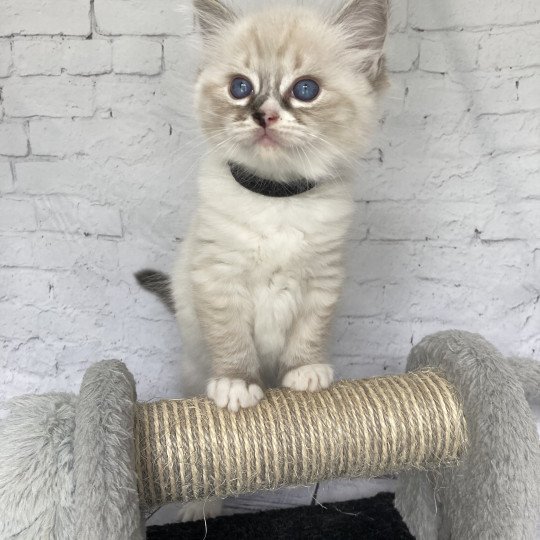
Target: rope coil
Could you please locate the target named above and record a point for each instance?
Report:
(189, 449)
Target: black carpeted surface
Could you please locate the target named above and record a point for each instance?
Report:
(365, 519)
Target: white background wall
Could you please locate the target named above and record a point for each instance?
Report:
(97, 161)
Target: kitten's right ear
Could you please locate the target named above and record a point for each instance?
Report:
(212, 15)
(365, 23)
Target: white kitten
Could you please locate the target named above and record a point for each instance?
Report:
(286, 97)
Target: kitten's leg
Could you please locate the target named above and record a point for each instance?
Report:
(223, 309)
(304, 364)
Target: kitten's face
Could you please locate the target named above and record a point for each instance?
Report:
(282, 93)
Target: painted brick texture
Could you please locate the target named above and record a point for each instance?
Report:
(98, 154)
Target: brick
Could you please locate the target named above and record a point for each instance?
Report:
(391, 261)
(5, 58)
(137, 56)
(18, 322)
(16, 215)
(77, 216)
(398, 16)
(449, 51)
(84, 289)
(435, 95)
(76, 324)
(512, 48)
(49, 17)
(506, 92)
(130, 97)
(518, 221)
(6, 180)
(88, 57)
(459, 180)
(16, 250)
(139, 17)
(48, 96)
(436, 221)
(492, 179)
(442, 14)
(505, 133)
(56, 252)
(13, 141)
(180, 54)
(412, 298)
(77, 177)
(134, 254)
(42, 57)
(51, 57)
(402, 52)
(526, 167)
(27, 285)
(369, 337)
(124, 139)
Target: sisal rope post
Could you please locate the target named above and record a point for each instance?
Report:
(190, 449)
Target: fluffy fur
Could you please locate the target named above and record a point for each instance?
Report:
(258, 278)
(67, 462)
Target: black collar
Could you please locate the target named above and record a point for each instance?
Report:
(269, 188)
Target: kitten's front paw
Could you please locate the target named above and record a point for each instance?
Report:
(234, 393)
(196, 510)
(312, 377)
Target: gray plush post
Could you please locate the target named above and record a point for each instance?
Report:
(494, 492)
(66, 462)
(106, 498)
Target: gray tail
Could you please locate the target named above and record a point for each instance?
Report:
(158, 283)
(528, 374)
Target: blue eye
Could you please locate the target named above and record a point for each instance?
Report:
(240, 88)
(306, 90)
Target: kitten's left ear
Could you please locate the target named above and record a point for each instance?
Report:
(365, 22)
(212, 15)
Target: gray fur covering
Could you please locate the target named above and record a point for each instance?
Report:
(66, 463)
(494, 493)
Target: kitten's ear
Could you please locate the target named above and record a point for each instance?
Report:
(212, 15)
(365, 22)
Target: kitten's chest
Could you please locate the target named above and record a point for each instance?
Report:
(281, 247)
(294, 238)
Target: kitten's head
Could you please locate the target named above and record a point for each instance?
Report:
(289, 91)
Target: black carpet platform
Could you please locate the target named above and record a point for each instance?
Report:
(374, 518)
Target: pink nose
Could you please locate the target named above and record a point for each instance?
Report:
(271, 117)
(266, 118)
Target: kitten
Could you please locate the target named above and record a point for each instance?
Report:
(286, 97)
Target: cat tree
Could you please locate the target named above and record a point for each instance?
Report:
(457, 428)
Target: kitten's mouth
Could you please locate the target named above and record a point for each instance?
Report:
(266, 139)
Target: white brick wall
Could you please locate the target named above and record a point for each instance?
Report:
(137, 56)
(46, 17)
(53, 56)
(47, 96)
(97, 164)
